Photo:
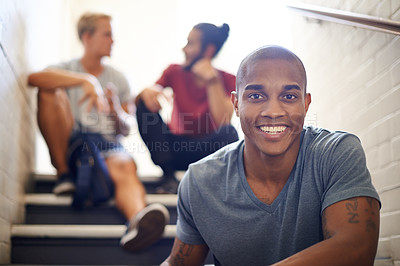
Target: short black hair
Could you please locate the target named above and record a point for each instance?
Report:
(213, 35)
(269, 52)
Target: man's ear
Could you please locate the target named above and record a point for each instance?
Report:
(234, 99)
(307, 101)
(209, 51)
(85, 36)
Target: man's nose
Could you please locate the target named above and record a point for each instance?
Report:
(272, 109)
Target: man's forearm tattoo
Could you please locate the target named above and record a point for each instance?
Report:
(352, 206)
(184, 251)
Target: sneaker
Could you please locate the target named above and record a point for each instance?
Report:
(145, 228)
(169, 185)
(65, 185)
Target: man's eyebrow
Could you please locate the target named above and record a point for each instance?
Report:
(256, 87)
(292, 87)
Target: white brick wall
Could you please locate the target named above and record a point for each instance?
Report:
(18, 38)
(354, 79)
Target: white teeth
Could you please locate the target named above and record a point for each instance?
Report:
(273, 130)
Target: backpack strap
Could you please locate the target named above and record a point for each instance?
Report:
(84, 165)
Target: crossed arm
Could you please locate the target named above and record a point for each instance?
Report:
(52, 79)
(350, 228)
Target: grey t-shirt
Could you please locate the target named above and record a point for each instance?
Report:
(217, 207)
(94, 121)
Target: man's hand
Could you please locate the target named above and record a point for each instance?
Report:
(150, 98)
(204, 70)
(93, 93)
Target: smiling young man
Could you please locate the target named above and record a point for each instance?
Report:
(286, 194)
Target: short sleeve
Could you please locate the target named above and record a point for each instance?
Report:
(345, 171)
(164, 80)
(186, 227)
(229, 83)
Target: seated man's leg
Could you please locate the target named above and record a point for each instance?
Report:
(56, 122)
(129, 191)
(188, 150)
(146, 223)
(157, 137)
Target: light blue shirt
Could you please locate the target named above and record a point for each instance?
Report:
(94, 121)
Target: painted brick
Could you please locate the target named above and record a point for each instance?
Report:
(396, 15)
(383, 252)
(396, 149)
(395, 247)
(375, 42)
(389, 224)
(387, 177)
(390, 201)
(4, 231)
(5, 212)
(378, 86)
(365, 7)
(384, 154)
(372, 162)
(5, 252)
(383, 9)
(383, 262)
(395, 74)
(385, 57)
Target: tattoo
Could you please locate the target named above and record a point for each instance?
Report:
(352, 206)
(184, 251)
(371, 225)
(369, 200)
(325, 231)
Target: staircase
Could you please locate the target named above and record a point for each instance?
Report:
(56, 234)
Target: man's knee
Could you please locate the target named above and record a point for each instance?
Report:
(52, 96)
(121, 167)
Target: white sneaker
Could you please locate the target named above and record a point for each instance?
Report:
(145, 228)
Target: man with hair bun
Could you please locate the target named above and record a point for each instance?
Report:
(287, 194)
(201, 115)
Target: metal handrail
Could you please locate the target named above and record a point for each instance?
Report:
(346, 17)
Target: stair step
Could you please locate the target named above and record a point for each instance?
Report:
(76, 231)
(44, 183)
(82, 245)
(51, 209)
(54, 233)
(51, 199)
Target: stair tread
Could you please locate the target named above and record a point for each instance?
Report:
(50, 199)
(76, 231)
(149, 178)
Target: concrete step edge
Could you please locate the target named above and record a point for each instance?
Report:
(150, 179)
(49, 199)
(77, 231)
